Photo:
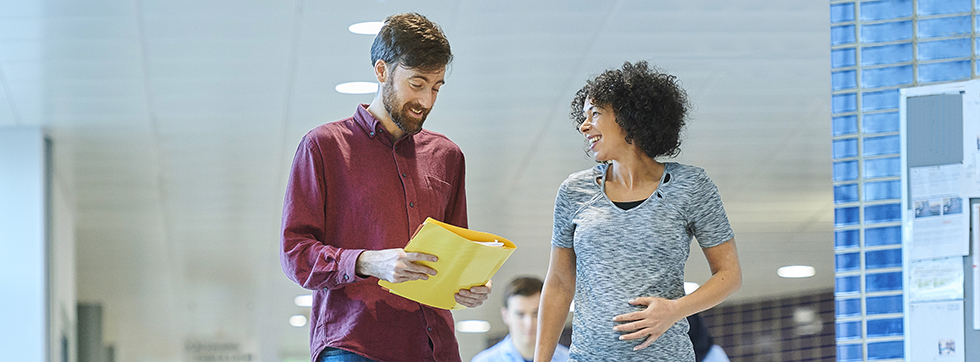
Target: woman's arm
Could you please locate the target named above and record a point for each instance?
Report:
(660, 314)
(557, 295)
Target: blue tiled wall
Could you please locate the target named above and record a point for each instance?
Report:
(878, 47)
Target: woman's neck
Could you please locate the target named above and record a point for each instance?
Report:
(635, 172)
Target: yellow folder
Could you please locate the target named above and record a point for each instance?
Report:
(463, 263)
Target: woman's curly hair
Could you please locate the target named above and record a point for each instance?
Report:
(649, 105)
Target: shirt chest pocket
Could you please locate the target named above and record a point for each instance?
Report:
(437, 193)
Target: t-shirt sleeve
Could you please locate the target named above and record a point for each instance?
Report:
(711, 226)
(563, 234)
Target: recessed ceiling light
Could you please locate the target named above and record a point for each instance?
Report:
(366, 28)
(472, 326)
(298, 320)
(690, 287)
(357, 87)
(304, 300)
(796, 271)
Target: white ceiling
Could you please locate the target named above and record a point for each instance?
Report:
(175, 123)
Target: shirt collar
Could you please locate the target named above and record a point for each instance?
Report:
(366, 120)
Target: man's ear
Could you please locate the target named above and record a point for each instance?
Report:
(503, 315)
(381, 71)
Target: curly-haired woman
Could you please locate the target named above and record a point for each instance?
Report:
(623, 229)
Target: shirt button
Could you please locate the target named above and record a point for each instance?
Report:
(346, 277)
(429, 329)
(404, 175)
(411, 204)
(372, 134)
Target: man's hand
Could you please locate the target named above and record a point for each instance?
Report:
(474, 296)
(394, 265)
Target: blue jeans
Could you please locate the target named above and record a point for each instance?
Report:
(339, 355)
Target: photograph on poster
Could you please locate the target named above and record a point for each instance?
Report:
(952, 205)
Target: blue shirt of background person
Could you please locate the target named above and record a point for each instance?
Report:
(520, 314)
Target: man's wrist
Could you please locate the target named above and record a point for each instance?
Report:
(361, 266)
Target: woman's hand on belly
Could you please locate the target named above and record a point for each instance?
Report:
(658, 316)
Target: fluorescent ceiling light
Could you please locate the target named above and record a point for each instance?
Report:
(472, 326)
(796, 271)
(304, 300)
(298, 320)
(690, 287)
(357, 87)
(366, 28)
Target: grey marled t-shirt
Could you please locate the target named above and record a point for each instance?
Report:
(624, 254)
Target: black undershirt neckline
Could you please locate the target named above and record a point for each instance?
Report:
(626, 205)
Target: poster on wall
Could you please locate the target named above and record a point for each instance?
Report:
(931, 341)
(939, 224)
(936, 279)
(976, 266)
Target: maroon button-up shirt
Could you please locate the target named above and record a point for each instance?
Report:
(352, 189)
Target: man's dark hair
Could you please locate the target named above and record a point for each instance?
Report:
(413, 41)
(649, 105)
(522, 286)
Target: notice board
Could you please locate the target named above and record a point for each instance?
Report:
(940, 136)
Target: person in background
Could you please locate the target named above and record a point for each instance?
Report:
(623, 229)
(357, 190)
(705, 349)
(520, 314)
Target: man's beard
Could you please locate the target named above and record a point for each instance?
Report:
(401, 116)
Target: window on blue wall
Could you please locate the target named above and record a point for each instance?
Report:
(886, 350)
(879, 259)
(937, 7)
(845, 80)
(845, 125)
(841, 58)
(847, 262)
(877, 214)
(843, 103)
(845, 148)
(885, 10)
(886, 54)
(846, 239)
(847, 307)
(942, 72)
(842, 35)
(850, 352)
(846, 216)
(942, 27)
(884, 305)
(848, 330)
(845, 193)
(882, 190)
(883, 145)
(886, 77)
(886, 32)
(840, 13)
(845, 171)
(889, 235)
(878, 328)
(880, 122)
(882, 167)
(847, 285)
(873, 101)
(883, 282)
(944, 49)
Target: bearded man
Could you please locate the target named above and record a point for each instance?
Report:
(358, 189)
